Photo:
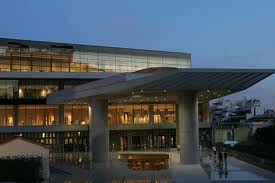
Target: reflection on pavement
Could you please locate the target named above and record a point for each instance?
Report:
(225, 170)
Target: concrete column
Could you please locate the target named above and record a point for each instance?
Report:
(205, 112)
(189, 128)
(99, 131)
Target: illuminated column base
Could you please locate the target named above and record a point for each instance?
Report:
(188, 128)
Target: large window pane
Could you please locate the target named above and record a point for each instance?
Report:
(125, 114)
(40, 115)
(6, 115)
(68, 114)
(21, 115)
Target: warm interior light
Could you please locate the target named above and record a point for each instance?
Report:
(21, 93)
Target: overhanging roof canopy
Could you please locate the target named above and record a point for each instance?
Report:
(210, 83)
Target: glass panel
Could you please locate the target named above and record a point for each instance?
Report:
(164, 113)
(30, 115)
(9, 115)
(76, 114)
(6, 115)
(68, 114)
(3, 89)
(85, 115)
(3, 115)
(40, 115)
(125, 114)
(112, 116)
(4, 64)
(21, 115)
(141, 114)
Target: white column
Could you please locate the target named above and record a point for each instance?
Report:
(99, 132)
(189, 128)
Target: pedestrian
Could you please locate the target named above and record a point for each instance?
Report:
(220, 156)
(178, 148)
(214, 150)
(225, 155)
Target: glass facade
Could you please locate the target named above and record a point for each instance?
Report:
(38, 115)
(6, 115)
(23, 101)
(68, 60)
(78, 114)
(142, 113)
(33, 89)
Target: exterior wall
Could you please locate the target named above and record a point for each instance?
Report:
(240, 134)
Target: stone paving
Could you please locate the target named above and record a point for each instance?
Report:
(210, 170)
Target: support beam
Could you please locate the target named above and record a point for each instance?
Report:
(188, 128)
(99, 132)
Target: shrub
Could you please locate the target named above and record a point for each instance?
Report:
(20, 169)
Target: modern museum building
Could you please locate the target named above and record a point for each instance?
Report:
(72, 96)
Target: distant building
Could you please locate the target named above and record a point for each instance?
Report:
(262, 120)
(230, 112)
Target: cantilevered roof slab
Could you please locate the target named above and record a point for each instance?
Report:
(210, 83)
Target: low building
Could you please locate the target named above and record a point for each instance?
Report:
(22, 147)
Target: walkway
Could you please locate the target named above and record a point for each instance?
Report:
(234, 170)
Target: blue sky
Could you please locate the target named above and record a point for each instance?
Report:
(218, 33)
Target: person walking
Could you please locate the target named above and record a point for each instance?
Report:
(214, 150)
(178, 148)
(220, 155)
(225, 155)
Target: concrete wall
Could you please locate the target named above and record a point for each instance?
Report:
(240, 134)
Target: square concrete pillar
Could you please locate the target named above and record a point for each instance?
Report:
(99, 131)
(188, 128)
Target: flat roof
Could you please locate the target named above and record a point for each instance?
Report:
(56, 75)
(210, 83)
(92, 48)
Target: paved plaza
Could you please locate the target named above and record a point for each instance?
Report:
(74, 168)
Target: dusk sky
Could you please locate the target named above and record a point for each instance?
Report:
(218, 33)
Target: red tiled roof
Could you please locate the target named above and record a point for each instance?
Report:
(5, 141)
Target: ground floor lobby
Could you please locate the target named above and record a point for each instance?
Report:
(120, 140)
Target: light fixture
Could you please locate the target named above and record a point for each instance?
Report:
(164, 90)
(208, 90)
(133, 93)
(141, 91)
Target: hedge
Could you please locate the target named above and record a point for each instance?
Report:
(21, 169)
